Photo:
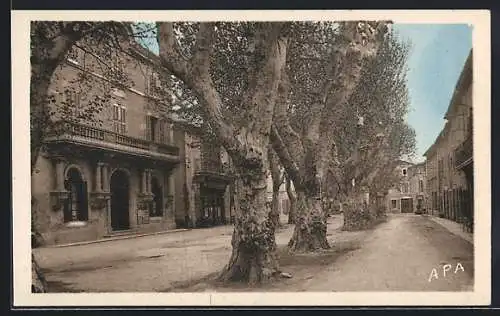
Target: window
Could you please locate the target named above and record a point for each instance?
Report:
(119, 118)
(72, 97)
(154, 84)
(420, 185)
(404, 171)
(393, 204)
(405, 187)
(151, 128)
(156, 129)
(76, 208)
(162, 127)
(73, 55)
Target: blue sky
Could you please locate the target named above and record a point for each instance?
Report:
(436, 59)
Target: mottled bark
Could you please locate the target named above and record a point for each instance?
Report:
(307, 156)
(254, 256)
(310, 228)
(38, 282)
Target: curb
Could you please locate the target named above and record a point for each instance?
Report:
(82, 243)
(433, 218)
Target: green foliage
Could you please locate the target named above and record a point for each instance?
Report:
(381, 98)
(359, 216)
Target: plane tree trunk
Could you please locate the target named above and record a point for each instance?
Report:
(309, 153)
(253, 258)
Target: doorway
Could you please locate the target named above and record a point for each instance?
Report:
(212, 207)
(76, 207)
(407, 205)
(119, 186)
(156, 208)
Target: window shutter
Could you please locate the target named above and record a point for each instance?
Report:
(124, 115)
(148, 127)
(115, 112)
(124, 120)
(162, 131)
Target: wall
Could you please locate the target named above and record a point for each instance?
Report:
(50, 222)
(397, 191)
(453, 134)
(135, 97)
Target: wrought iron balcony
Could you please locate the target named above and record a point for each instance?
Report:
(202, 166)
(464, 153)
(98, 137)
(208, 171)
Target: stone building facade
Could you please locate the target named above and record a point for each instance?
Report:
(400, 198)
(417, 180)
(449, 160)
(130, 170)
(204, 181)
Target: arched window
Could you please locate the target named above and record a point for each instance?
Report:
(76, 208)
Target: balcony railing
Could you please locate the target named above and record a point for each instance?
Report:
(464, 153)
(98, 134)
(200, 167)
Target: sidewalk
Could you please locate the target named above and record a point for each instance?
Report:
(454, 228)
(117, 237)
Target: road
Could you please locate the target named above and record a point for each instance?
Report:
(146, 264)
(398, 255)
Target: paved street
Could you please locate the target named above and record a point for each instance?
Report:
(396, 256)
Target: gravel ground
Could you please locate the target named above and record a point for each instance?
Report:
(398, 255)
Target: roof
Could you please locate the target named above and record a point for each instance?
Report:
(464, 80)
(418, 165)
(438, 140)
(404, 162)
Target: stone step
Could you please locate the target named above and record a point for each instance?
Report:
(119, 233)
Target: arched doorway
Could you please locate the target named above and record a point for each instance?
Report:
(156, 208)
(76, 207)
(119, 187)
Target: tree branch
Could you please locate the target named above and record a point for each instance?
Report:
(194, 73)
(169, 55)
(290, 165)
(200, 62)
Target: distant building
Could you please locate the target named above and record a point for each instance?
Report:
(417, 179)
(449, 163)
(401, 197)
(206, 180)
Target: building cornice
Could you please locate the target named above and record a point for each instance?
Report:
(463, 81)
